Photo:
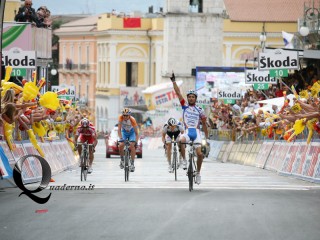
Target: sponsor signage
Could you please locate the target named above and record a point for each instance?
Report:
(260, 86)
(17, 58)
(19, 72)
(229, 101)
(255, 76)
(278, 59)
(229, 94)
(279, 73)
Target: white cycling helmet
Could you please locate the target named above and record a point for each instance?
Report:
(172, 122)
(192, 92)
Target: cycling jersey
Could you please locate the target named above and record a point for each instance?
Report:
(192, 115)
(173, 132)
(86, 134)
(127, 124)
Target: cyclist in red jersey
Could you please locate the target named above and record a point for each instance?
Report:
(86, 132)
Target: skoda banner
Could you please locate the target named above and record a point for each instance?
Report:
(255, 76)
(278, 59)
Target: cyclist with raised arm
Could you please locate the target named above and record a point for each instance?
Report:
(127, 129)
(193, 115)
(172, 128)
(86, 132)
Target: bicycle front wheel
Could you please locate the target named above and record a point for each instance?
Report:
(126, 168)
(175, 162)
(190, 174)
(84, 169)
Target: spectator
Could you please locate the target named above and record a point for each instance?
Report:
(26, 13)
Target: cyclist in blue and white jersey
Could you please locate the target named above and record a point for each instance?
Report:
(193, 115)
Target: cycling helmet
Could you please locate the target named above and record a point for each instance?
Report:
(126, 111)
(84, 123)
(192, 92)
(172, 122)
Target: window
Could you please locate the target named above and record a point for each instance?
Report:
(131, 74)
(196, 6)
(79, 55)
(87, 55)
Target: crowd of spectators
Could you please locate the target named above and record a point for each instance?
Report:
(295, 112)
(40, 18)
(22, 119)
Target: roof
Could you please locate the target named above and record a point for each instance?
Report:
(87, 24)
(265, 10)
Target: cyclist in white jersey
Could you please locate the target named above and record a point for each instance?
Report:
(192, 116)
(172, 129)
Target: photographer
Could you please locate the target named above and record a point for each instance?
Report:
(26, 13)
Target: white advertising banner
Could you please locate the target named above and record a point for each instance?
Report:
(256, 76)
(278, 59)
(229, 93)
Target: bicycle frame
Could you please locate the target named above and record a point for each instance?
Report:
(192, 167)
(84, 158)
(174, 157)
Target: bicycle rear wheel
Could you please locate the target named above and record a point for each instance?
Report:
(190, 173)
(126, 167)
(175, 162)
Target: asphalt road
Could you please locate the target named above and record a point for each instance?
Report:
(233, 202)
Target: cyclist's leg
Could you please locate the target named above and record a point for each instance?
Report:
(168, 146)
(182, 149)
(121, 147)
(184, 138)
(132, 139)
(169, 153)
(199, 157)
(79, 148)
(91, 156)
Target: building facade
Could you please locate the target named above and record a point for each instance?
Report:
(77, 60)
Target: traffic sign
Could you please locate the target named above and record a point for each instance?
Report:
(19, 72)
(278, 73)
(260, 86)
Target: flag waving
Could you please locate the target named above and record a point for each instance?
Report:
(287, 38)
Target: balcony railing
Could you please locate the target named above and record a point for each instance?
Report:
(74, 67)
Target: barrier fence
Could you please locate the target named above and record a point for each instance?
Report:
(296, 159)
(58, 154)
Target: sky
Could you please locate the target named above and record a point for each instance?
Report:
(58, 7)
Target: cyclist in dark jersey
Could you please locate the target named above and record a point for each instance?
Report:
(171, 129)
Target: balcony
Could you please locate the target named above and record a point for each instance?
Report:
(74, 68)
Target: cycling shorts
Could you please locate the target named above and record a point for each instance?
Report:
(83, 139)
(192, 134)
(131, 135)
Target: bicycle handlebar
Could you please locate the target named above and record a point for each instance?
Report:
(89, 144)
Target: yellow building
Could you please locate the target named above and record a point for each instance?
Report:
(11, 9)
(246, 20)
(129, 55)
(77, 59)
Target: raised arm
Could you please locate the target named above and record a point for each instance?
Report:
(175, 87)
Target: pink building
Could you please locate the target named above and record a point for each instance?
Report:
(77, 59)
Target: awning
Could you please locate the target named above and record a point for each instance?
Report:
(138, 109)
(314, 54)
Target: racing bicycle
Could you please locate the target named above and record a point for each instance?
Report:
(174, 163)
(84, 160)
(127, 159)
(192, 167)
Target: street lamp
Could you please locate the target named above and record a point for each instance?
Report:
(311, 20)
(263, 37)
